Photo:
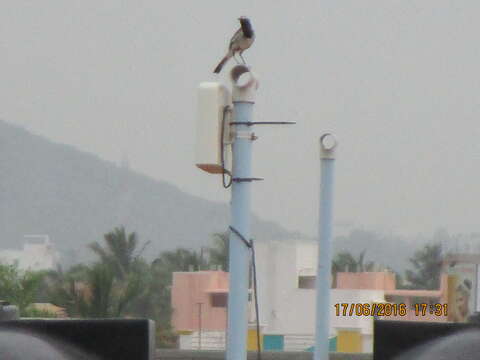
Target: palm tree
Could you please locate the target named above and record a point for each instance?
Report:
(364, 267)
(63, 288)
(219, 252)
(119, 252)
(98, 293)
(344, 261)
(154, 303)
(19, 287)
(178, 260)
(427, 264)
(98, 301)
(107, 288)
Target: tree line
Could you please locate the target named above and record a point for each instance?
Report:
(426, 266)
(119, 283)
(122, 283)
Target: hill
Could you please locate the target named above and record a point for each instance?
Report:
(76, 197)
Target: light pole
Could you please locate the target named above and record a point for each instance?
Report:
(243, 96)
(328, 146)
(199, 325)
(214, 132)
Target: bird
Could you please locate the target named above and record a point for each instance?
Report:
(241, 41)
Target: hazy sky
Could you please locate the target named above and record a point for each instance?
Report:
(397, 81)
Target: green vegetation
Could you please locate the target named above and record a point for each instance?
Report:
(344, 261)
(19, 287)
(120, 283)
(30, 312)
(427, 264)
(219, 252)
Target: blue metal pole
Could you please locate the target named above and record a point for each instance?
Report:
(240, 217)
(323, 282)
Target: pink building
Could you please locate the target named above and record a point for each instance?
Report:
(366, 280)
(199, 300)
(386, 281)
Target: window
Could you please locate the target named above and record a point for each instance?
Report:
(219, 300)
(306, 282)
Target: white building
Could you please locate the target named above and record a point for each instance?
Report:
(35, 255)
(286, 274)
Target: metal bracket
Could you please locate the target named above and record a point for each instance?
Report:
(243, 134)
(251, 123)
(227, 130)
(246, 179)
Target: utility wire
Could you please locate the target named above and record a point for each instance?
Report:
(226, 184)
(250, 245)
(254, 268)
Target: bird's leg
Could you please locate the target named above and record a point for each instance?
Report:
(244, 62)
(234, 57)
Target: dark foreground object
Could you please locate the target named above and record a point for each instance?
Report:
(409, 340)
(77, 339)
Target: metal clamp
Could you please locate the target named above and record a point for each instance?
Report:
(242, 134)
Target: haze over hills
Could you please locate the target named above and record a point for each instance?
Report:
(75, 198)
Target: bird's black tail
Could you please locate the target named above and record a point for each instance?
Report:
(221, 63)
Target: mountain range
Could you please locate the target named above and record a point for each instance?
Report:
(75, 197)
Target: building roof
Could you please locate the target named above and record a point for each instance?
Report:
(217, 291)
(414, 293)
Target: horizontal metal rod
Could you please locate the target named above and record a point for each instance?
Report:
(250, 123)
(247, 179)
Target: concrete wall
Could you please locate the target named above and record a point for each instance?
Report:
(366, 280)
(209, 340)
(285, 309)
(266, 355)
(290, 311)
(191, 288)
(42, 256)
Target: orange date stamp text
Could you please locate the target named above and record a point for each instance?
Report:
(389, 309)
